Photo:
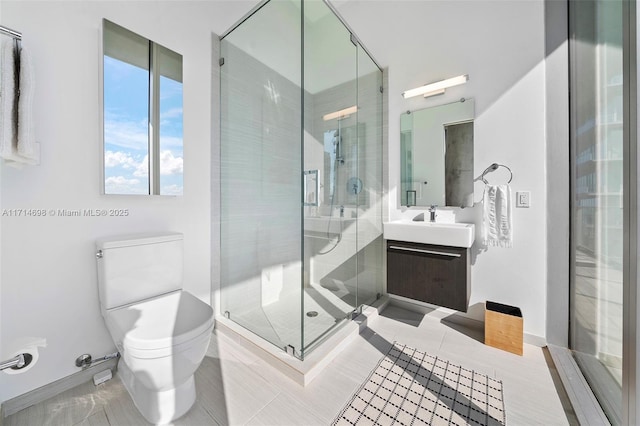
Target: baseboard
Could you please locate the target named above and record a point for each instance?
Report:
(534, 340)
(52, 389)
(451, 316)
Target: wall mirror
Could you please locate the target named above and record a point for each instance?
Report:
(436, 155)
(142, 115)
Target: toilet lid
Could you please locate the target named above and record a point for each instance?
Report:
(162, 322)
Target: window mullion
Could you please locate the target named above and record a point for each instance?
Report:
(154, 120)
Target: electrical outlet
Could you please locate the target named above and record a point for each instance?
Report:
(523, 199)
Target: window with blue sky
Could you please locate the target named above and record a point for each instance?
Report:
(129, 102)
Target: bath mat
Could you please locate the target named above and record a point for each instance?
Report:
(410, 387)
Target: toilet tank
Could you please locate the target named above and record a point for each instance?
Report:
(138, 267)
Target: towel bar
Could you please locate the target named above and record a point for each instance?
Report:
(493, 168)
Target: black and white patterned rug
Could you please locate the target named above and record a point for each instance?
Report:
(410, 387)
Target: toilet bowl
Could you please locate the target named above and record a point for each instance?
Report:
(161, 330)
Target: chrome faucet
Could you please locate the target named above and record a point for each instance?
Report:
(432, 213)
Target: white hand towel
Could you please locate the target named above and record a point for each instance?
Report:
(27, 148)
(497, 222)
(8, 123)
(17, 142)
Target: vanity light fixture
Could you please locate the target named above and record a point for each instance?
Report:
(343, 113)
(436, 88)
(434, 93)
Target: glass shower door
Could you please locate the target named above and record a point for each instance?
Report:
(369, 194)
(331, 148)
(261, 263)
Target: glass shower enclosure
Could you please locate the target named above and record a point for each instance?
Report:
(301, 174)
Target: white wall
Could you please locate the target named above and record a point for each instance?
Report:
(49, 279)
(500, 44)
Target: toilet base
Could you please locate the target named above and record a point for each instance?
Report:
(158, 407)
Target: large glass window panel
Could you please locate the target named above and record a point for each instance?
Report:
(170, 117)
(597, 198)
(126, 111)
(142, 86)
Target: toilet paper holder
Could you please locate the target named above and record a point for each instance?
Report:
(16, 363)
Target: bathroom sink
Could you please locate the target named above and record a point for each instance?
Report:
(442, 234)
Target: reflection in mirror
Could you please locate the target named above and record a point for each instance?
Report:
(341, 168)
(311, 187)
(142, 113)
(436, 155)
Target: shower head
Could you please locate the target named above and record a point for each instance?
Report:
(337, 147)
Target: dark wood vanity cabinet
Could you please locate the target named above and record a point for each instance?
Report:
(439, 275)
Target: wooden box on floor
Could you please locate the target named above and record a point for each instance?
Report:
(503, 327)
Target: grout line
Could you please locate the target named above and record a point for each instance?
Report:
(442, 340)
(264, 406)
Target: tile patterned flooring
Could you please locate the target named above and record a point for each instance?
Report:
(412, 388)
(237, 388)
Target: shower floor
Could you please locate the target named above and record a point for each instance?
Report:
(281, 322)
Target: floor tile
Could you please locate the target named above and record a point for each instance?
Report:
(286, 410)
(97, 419)
(231, 392)
(235, 387)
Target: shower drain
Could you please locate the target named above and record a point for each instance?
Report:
(312, 314)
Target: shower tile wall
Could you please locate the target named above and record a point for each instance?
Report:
(337, 269)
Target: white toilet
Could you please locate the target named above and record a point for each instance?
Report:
(161, 331)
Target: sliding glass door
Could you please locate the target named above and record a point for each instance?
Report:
(597, 207)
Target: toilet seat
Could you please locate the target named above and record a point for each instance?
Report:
(160, 326)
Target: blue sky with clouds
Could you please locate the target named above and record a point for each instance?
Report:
(126, 130)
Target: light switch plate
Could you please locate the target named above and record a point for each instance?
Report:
(523, 199)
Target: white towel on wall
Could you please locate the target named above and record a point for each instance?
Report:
(8, 122)
(497, 221)
(27, 148)
(17, 140)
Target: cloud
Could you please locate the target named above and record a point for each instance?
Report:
(122, 185)
(143, 168)
(171, 190)
(119, 158)
(125, 133)
(169, 165)
(121, 180)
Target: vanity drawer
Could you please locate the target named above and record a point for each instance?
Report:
(438, 275)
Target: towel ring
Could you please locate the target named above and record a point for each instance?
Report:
(493, 168)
